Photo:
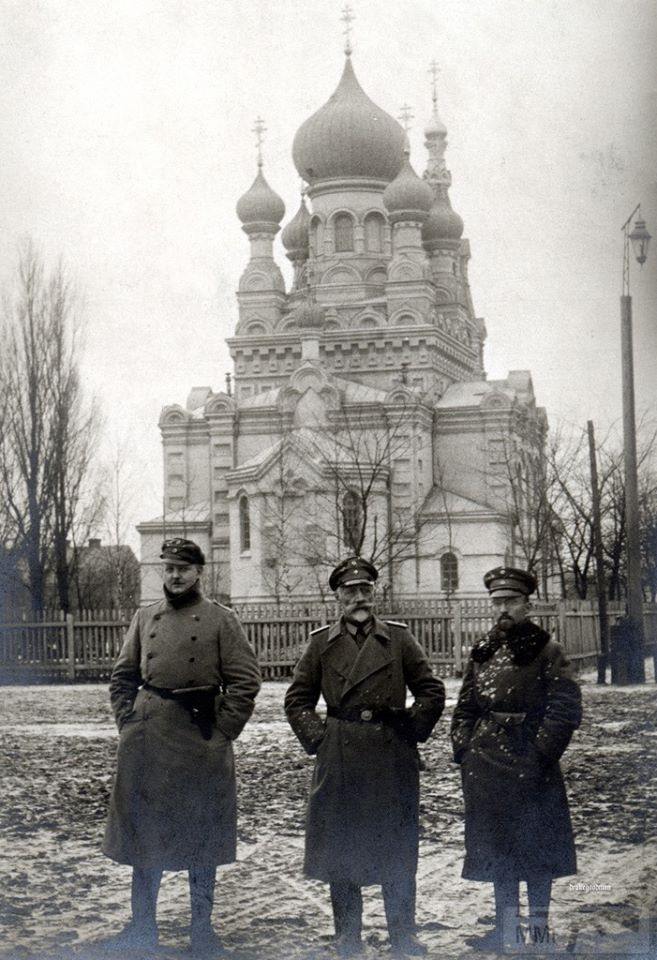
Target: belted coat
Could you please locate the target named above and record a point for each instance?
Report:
(362, 817)
(515, 716)
(173, 802)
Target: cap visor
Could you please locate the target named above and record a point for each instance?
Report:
(508, 592)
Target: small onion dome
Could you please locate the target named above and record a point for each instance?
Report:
(260, 208)
(442, 223)
(350, 137)
(309, 316)
(435, 127)
(407, 197)
(296, 233)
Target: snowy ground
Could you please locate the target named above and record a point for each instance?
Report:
(62, 897)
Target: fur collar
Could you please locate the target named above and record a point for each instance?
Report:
(525, 641)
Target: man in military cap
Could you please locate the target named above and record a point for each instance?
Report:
(362, 824)
(516, 712)
(182, 689)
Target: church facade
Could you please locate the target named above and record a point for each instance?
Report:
(359, 419)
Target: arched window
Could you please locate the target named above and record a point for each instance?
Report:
(374, 233)
(449, 573)
(344, 233)
(352, 519)
(245, 524)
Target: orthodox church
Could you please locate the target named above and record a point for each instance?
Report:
(359, 418)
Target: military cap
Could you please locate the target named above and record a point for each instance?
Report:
(509, 582)
(179, 550)
(353, 570)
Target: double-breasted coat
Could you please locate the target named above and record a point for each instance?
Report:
(173, 802)
(362, 818)
(516, 712)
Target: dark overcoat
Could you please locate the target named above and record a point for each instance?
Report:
(173, 802)
(516, 712)
(362, 820)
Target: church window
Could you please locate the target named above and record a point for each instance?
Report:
(449, 573)
(344, 233)
(352, 519)
(245, 524)
(374, 233)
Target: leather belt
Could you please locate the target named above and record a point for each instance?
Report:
(359, 714)
(163, 692)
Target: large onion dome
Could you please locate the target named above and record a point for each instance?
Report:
(260, 208)
(442, 223)
(350, 137)
(407, 197)
(295, 235)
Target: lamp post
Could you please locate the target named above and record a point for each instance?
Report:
(639, 238)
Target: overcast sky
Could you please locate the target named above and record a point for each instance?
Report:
(126, 143)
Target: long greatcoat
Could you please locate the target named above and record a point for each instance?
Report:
(173, 803)
(362, 819)
(515, 715)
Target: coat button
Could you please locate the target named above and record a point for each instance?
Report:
(149, 655)
(195, 616)
(191, 659)
(192, 638)
(157, 616)
(151, 635)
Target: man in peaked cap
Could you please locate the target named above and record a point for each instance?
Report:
(182, 689)
(362, 824)
(517, 710)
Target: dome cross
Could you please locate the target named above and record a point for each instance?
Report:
(406, 115)
(259, 129)
(434, 70)
(347, 18)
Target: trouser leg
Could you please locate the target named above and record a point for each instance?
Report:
(347, 903)
(399, 905)
(507, 906)
(145, 888)
(201, 894)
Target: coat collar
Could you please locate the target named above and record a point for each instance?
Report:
(379, 630)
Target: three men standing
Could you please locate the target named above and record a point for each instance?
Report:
(182, 689)
(362, 824)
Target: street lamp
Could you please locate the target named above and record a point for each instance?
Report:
(639, 238)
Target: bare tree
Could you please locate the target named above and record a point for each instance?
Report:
(48, 430)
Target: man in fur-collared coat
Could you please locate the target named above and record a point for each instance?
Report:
(362, 823)
(181, 690)
(517, 710)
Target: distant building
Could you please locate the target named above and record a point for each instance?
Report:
(377, 338)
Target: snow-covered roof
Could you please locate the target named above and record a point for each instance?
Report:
(454, 504)
(196, 513)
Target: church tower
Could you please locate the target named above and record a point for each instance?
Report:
(378, 327)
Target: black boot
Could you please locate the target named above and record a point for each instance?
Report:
(204, 942)
(399, 904)
(347, 903)
(140, 934)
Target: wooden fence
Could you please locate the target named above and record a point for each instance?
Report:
(85, 645)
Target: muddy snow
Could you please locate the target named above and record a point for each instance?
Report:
(62, 898)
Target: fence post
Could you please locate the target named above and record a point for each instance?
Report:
(458, 640)
(70, 646)
(561, 623)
